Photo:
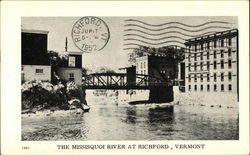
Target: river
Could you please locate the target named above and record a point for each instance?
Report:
(108, 120)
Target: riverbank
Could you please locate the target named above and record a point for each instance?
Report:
(48, 112)
(227, 100)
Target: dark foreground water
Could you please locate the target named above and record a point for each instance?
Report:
(109, 121)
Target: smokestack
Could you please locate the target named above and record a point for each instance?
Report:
(66, 44)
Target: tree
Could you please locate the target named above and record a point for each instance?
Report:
(56, 61)
(105, 70)
(171, 52)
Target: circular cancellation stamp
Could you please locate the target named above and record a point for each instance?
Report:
(90, 34)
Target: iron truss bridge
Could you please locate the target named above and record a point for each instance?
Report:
(121, 81)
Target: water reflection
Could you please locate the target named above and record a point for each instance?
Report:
(131, 115)
(161, 114)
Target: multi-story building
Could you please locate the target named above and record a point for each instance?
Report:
(157, 68)
(212, 64)
(35, 60)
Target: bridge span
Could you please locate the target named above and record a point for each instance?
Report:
(161, 89)
(122, 81)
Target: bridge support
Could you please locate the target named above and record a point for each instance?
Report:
(84, 96)
(161, 94)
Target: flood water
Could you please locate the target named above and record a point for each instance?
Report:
(109, 120)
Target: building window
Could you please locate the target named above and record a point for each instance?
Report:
(71, 77)
(201, 77)
(208, 77)
(215, 54)
(215, 64)
(201, 46)
(141, 65)
(195, 87)
(215, 44)
(208, 55)
(189, 67)
(72, 61)
(201, 87)
(215, 87)
(195, 78)
(222, 76)
(222, 64)
(208, 65)
(229, 63)
(195, 48)
(208, 87)
(229, 42)
(39, 71)
(144, 64)
(189, 57)
(189, 87)
(195, 56)
(195, 66)
(229, 52)
(222, 87)
(230, 87)
(222, 53)
(222, 43)
(229, 76)
(189, 78)
(201, 65)
(215, 77)
(208, 46)
(201, 54)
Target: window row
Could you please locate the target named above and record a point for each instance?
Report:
(202, 64)
(224, 42)
(207, 77)
(208, 54)
(141, 72)
(215, 87)
(142, 64)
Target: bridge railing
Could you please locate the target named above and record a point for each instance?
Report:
(120, 79)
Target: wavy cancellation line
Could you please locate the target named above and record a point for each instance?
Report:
(136, 46)
(168, 23)
(150, 43)
(163, 33)
(176, 27)
(154, 39)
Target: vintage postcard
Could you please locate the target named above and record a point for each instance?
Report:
(107, 82)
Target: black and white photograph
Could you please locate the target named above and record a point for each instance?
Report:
(124, 77)
(129, 78)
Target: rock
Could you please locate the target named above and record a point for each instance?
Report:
(79, 111)
(72, 107)
(86, 108)
(25, 111)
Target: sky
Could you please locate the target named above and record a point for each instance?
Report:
(114, 55)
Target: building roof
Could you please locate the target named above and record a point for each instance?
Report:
(35, 31)
(74, 52)
(212, 36)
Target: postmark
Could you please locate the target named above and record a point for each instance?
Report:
(90, 34)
